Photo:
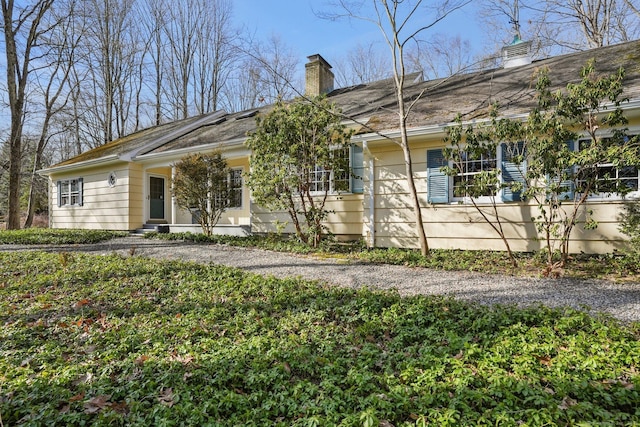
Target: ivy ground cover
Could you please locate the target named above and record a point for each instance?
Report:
(112, 340)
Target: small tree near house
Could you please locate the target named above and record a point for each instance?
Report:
(573, 145)
(300, 156)
(201, 185)
(472, 161)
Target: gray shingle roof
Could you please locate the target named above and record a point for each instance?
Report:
(469, 95)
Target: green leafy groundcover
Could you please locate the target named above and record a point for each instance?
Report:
(109, 340)
(48, 236)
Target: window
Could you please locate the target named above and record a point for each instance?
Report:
(70, 192)
(442, 188)
(235, 188)
(229, 195)
(469, 169)
(340, 180)
(609, 178)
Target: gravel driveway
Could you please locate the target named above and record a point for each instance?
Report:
(621, 300)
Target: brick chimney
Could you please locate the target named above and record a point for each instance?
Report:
(318, 76)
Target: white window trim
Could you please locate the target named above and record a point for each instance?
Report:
(332, 190)
(608, 196)
(466, 200)
(79, 193)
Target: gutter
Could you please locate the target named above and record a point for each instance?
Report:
(113, 158)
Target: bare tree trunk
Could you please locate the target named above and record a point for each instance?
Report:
(18, 73)
(400, 23)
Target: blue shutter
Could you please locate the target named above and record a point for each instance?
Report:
(357, 169)
(512, 172)
(80, 195)
(437, 181)
(59, 186)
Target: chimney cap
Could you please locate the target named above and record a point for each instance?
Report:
(318, 58)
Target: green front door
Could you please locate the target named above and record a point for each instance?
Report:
(156, 198)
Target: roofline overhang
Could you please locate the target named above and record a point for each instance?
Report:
(107, 160)
(428, 130)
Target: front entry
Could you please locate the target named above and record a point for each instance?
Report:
(156, 197)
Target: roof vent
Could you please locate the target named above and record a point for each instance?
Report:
(517, 53)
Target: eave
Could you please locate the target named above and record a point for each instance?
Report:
(102, 161)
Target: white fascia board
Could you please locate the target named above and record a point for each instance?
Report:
(102, 161)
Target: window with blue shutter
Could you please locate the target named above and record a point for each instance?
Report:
(512, 171)
(437, 181)
(357, 169)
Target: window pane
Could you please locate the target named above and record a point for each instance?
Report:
(609, 179)
(236, 188)
(470, 167)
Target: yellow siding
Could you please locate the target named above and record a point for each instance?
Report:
(104, 207)
(136, 196)
(345, 222)
(460, 226)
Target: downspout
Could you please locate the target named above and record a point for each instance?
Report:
(371, 232)
(174, 210)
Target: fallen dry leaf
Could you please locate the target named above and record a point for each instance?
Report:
(141, 359)
(120, 407)
(567, 402)
(166, 397)
(82, 303)
(76, 397)
(96, 404)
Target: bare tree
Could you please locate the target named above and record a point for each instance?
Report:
(152, 15)
(558, 26)
(264, 74)
(442, 56)
(401, 22)
(242, 90)
(362, 64)
(181, 34)
(51, 84)
(22, 34)
(279, 65)
(215, 45)
(107, 68)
